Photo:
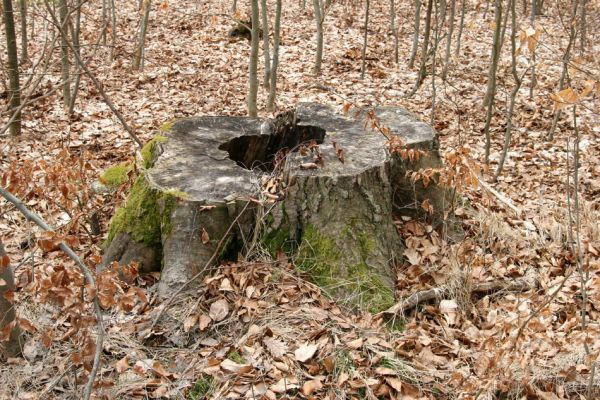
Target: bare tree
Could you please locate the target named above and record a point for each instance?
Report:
(138, 62)
(422, 74)
(65, 66)
(488, 100)
(265, 32)
(463, 10)
(415, 43)
(275, 63)
(253, 80)
(319, 13)
(23, 12)
(12, 344)
(449, 38)
(513, 96)
(364, 49)
(566, 60)
(394, 29)
(13, 67)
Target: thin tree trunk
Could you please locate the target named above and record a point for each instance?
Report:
(583, 28)
(23, 12)
(75, 33)
(104, 20)
(394, 30)
(234, 7)
(253, 79)
(463, 10)
(488, 100)
(515, 91)
(439, 22)
(138, 62)
(319, 17)
(364, 49)
(10, 346)
(266, 53)
(415, 43)
(449, 39)
(63, 11)
(566, 60)
(13, 67)
(113, 32)
(424, 50)
(496, 46)
(275, 65)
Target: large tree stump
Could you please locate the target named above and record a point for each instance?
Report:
(334, 216)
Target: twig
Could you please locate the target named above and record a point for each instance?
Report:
(202, 271)
(503, 199)
(31, 216)
(512, 285)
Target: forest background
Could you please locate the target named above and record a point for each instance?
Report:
(512, 89)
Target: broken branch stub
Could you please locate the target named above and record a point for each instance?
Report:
(334, 216)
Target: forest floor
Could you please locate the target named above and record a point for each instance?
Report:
(262, 330)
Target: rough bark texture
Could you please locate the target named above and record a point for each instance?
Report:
(12, 340)
(335, 220)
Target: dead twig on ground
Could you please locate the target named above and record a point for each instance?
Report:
(511, 285)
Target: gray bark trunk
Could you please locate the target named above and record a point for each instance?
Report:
(138, 62)
(266, 52)
(13, 66)
(252, 70)
(275, 65)
(64, 53)
(13, 345)
(319, 17)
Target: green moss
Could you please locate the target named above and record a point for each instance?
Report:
(117, 175)
(236, 357)
(320, 256)
(167, 126)
(202, 388)
(145, 215)
(149, 150)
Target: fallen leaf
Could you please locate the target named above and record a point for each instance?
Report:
(310, 387)
(205, 237)
(305, 352)
(219, 310)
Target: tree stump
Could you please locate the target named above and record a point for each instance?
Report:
(333, 215)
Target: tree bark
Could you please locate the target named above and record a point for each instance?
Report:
(138, 62)
(252, 78)
(9, 325)
(266, 52)
(275, 64)
(64, 52)
(415, 43)
(13, 67)
(364, 49)
(319, 17)
(23, 12)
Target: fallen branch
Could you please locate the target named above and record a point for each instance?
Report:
(510, 285)
(31, 216)
(503, 199)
